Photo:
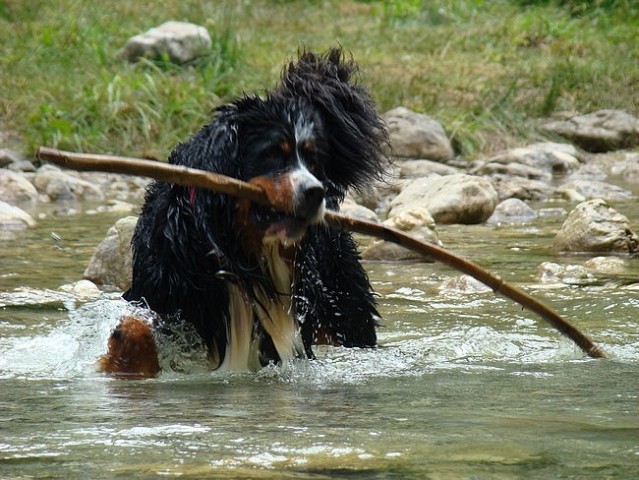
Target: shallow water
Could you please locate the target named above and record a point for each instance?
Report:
(463, 385)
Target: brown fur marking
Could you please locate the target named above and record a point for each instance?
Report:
(132, 351)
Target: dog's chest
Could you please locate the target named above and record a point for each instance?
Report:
(272, 310)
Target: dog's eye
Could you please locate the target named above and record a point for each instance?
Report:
(310, 158)
(309, 148)
(285, 147)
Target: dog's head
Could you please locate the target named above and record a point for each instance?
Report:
(306, 142)
(282, 150)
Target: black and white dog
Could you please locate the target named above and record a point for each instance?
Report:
(259, 285)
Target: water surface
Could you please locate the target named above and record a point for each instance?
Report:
(463, 386)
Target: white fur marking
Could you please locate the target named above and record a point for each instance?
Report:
(239, 333)
(276, 315)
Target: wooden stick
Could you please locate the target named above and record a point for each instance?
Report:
(230, 186)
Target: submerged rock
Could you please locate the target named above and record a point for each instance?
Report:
(463, 284)
(593, 226)
(549, 272)
(606, 265)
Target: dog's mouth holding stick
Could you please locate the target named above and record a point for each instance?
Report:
(202, 179)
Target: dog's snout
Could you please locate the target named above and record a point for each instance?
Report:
(310, 201)
(314, 196)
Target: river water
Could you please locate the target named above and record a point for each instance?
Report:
(464, 385)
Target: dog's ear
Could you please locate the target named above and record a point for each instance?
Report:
(355, 133)
(215, 148)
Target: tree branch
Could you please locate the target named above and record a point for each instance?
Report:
(219, 183)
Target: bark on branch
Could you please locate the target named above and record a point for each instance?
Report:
(230, 186)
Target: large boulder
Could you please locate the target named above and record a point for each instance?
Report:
(112, 260)
(15, 188)
(600, 131)
(415, 135)
(458, 198)
(594, 227)
(180, 42)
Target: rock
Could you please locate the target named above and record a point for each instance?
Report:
(509, 186)
(352, 209)
(606, 265)
(600, 131)
(549, 272)
(550, 212)
(369, 197)
(455, 198)
(117, 206)
(15, 188)
(14, 218)
(111, 262)
(8, 157)
(180, 42)
(417, 223)
(580, 190)
(538, 161)
(414, 135)
(511, 211)
(593, 226)
(60, 186)
(381, 250)
(463, 284)
(619, 164)
(22, 166)
(407, 219)
(423, 168)
(513, 169)
(588, 171)
(82, 288)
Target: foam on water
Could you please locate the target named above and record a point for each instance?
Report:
(71, 347)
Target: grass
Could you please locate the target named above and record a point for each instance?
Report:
(486, 69)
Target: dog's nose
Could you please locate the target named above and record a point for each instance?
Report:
(313, 197)
(311, 201)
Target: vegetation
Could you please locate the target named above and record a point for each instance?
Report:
(485, 69)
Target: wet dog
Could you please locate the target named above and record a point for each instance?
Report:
(260, 285)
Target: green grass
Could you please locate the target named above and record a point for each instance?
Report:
(485, 69)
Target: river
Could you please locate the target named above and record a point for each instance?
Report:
(464, 384)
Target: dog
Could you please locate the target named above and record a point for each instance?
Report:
(260, 285)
